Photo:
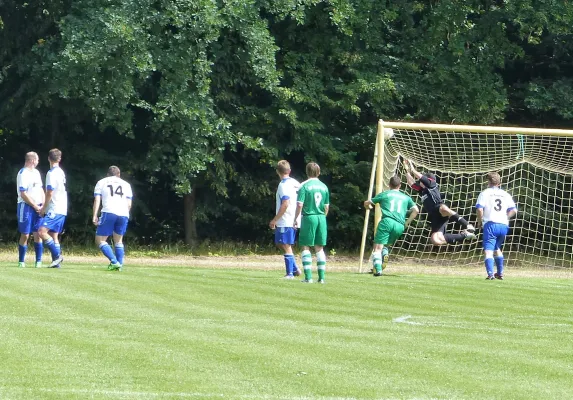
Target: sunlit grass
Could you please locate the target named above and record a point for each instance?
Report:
(151, 332)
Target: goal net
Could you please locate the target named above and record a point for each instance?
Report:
(536, 167)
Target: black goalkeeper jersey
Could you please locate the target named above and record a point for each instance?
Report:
(430, 194)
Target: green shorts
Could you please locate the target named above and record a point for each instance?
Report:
(313, 230)
(388, 231)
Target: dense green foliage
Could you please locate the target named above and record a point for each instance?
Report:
(196, 100)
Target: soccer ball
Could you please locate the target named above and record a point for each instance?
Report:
(388, 133)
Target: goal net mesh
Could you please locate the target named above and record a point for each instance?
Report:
(536, 170)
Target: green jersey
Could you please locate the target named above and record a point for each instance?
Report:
(394, 204)
(314, 196)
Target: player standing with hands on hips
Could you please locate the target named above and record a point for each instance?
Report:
(114, 194)
(495, 207)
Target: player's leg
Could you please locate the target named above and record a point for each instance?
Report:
(319, 243)
(284, 238)
(119, 229)
(25, 217)
(377, 258)
(438, 233)
(103, 231)
(306, 240)
(45, 225)
(39, 249)
(119, 251)
(502, 231)
(453, 216)
(55, 226)
(489, 245)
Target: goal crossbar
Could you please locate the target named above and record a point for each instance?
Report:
(477, 129)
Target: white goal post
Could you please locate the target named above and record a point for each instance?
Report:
(536, 167)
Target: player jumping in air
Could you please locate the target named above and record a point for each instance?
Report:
(438, 212)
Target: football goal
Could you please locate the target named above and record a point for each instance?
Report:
(536, 167)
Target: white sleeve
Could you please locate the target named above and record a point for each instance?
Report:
(49, 183)
(22, 182)
(480, 200)
(128, 192)
(97, 189)
(511, 203)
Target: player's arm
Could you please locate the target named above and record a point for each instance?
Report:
(28, 200)
(412, 175)
(479, 220)
(512, 212)
(326, 209)
(47, 200)
(97, 202)
(297, 213)
(282, 210)
(414, 211)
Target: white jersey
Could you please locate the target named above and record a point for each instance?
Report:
(115, 193)
(496, 203)
(29, 180)
(287, 190)
(56, 182)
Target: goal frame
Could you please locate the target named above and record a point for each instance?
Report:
(377, 173)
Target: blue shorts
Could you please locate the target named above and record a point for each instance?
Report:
(494, 235)
(285, 235)
(54, 222)
(28, 218)
(111, 223)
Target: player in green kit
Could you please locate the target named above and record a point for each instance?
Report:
(313, 201)
(395, 206)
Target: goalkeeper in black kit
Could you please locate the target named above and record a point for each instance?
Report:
(439, 214)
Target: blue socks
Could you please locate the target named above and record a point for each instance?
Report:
(499, 264)
(53, 247)
(489, 266)
(119, 252)
(108, 252)
(290, 264)
(39, 248)
(22, 252)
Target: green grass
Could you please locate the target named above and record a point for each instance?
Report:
(178, 332)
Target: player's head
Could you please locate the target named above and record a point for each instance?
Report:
(283, 167)
(493, 179)
(32, 159)
(431, 176)
(394, 182)
(312, 170)
(428, 180)
(55, 156)
(113, 171)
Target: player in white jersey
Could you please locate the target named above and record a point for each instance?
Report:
(55, 208)
(282, 223)
(494, 207)
(114, 194)
(30, 201)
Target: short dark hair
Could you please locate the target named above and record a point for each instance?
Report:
(312, 170)
(394, 182)
(55, 155)
(431, 175)
(113, 171)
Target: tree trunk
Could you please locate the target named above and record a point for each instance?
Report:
(189, 207)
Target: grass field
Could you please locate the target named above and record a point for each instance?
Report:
(170, 332)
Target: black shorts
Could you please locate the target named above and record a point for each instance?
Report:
(438, 221)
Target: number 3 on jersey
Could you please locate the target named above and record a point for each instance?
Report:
(118, 190)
